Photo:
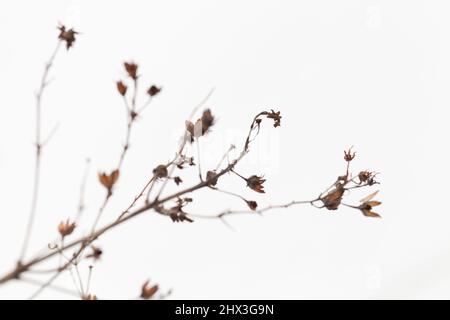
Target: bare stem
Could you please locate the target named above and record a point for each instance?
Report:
(39, 145)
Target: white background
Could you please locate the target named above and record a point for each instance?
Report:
(372, 74)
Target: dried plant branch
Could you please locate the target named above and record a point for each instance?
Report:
(173, 205)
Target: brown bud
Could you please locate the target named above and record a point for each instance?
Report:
(252, 204)
(177, 180)
(95, 254)
(348, 155)
(276, 118)
(121, 87)
(256, 183)
(160, 171)
(65, 228)
(67, 35)
(109, 180)
(333, 198)
(131, 68)
(211, 178)
(147, 291)
(153, 91)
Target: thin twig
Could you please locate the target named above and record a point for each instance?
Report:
(39, 146)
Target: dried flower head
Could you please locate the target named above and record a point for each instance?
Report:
(201, 126)
(109, 180)
(148, 291)
(160, 171)
(153, 90)
(333, 198)
(179, 216)
(65, 228)
(275, 116)
(67, 35)
(367, 205)
(252, 204)
(95, 254)
(348, 155)
(208, 120)
(122, 88)
(131, 68)
(256, 183)
(211, 177)
(177, 180)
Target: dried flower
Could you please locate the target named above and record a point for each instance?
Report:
(109, 180)
(177, 180)
(201, 126)
(179, 216)
(333, 198)
(211, 177)
(147, 291)
(89, 297)
(367, 177)
(252, 204)
(131, 68)
(208, 120)
(95, 254)
(65, 228)
(122, 88)
(368, 204)
(160, 171)
(256, 183)
(67, 35)
(275, 116)
(153, 91)
(348, 155)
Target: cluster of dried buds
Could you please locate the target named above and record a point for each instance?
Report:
(131, 69)
(332, 199)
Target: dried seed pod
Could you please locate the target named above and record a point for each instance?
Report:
(256, 183)
(147, 291)
(68, 36)
(153, 90)
(160, 171)
(109, 180)
(122, 88)
(66, 228)
(131, 68)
